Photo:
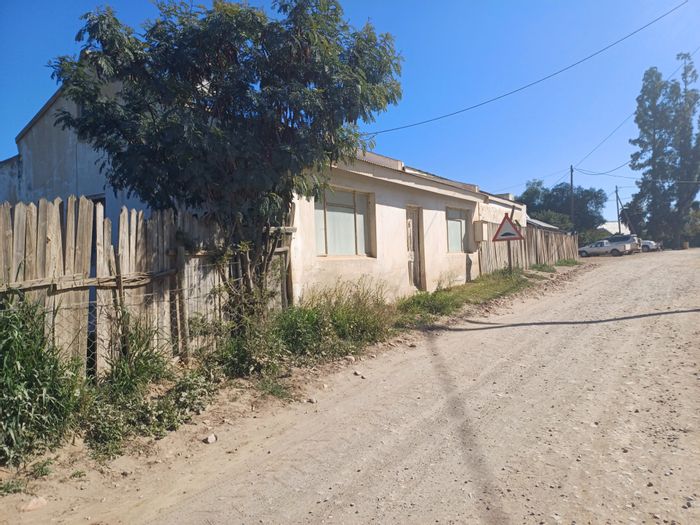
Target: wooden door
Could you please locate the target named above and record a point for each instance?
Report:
(413, 240)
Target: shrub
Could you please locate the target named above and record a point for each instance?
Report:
(138, 364)
(439, 302)
(358, 311)
(303, 330)
(39, 391)
(106, 429)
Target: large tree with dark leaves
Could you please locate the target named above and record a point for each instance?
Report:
(668, 152)
(554, 205)
(227, 110)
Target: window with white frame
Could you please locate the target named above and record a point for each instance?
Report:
(457, 230)
(342, 223)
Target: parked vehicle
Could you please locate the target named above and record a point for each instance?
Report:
(605, 247)
(632, 239)
(650, 246)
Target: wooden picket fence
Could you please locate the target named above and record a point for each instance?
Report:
(539, 247)
(158, 272)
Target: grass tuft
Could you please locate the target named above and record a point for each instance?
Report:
(272, 387)
(543, 268)
(12, 486)
(39, 390)
(424, 306)
(567, 262)
(41, 469)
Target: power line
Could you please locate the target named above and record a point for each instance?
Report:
(606, 138)
(534, 83)
(607, 173)
(673, 74)
(546, 177)
(590, 172)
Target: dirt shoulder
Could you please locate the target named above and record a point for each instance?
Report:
(576, 402)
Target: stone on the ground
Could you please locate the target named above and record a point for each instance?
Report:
(211, 438)
(35, 504)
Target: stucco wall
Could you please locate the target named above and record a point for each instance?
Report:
(389, 265)
(493, 210)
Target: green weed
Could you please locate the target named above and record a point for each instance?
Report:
(12, 486)
(543, 268)
(423, 306)
(567, 262)
(77, 474)
(271, 387)
(39, 390)
(41, 469)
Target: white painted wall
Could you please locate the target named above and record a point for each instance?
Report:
(391, 192)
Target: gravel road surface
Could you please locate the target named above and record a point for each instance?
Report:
(580, 406)
(579, 403)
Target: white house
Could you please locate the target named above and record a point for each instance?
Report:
(381, 219)
(402, 226)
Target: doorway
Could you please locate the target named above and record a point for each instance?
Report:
(414, 240)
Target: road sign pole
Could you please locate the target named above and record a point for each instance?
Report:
(510, 259)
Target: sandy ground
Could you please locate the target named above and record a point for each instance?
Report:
(579, 403)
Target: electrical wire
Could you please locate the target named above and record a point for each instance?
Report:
(529, 85)
(673, 74)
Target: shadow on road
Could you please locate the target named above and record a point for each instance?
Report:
(495, 326)
(479, 470)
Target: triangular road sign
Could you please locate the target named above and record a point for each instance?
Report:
(507, 231)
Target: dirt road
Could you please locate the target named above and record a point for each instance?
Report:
(580, 405)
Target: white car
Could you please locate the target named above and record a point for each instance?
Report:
(605, 247)
(649, 246)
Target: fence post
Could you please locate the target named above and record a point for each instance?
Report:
(183, 328)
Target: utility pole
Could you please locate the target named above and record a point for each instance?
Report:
(617, 203)
(571, 169)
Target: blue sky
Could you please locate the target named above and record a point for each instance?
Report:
(456, 53)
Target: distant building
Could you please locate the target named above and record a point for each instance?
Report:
(611, 227)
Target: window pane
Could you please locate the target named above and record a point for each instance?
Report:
(340, 198)
(320, 227)
(362, 221)
(340, 222)
(454, 235)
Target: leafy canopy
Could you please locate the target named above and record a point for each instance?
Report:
(553, 205)
(668, 154)
(227, 109)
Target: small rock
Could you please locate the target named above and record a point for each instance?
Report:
(312, 400)
(35, 504)
(350, 358)
(211, 438)
(624, 450)
(411, 345)
(356, 373)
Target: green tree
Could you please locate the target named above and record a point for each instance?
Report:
(554, 205)
(227, 110)
(633, 216)
(668, 154)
